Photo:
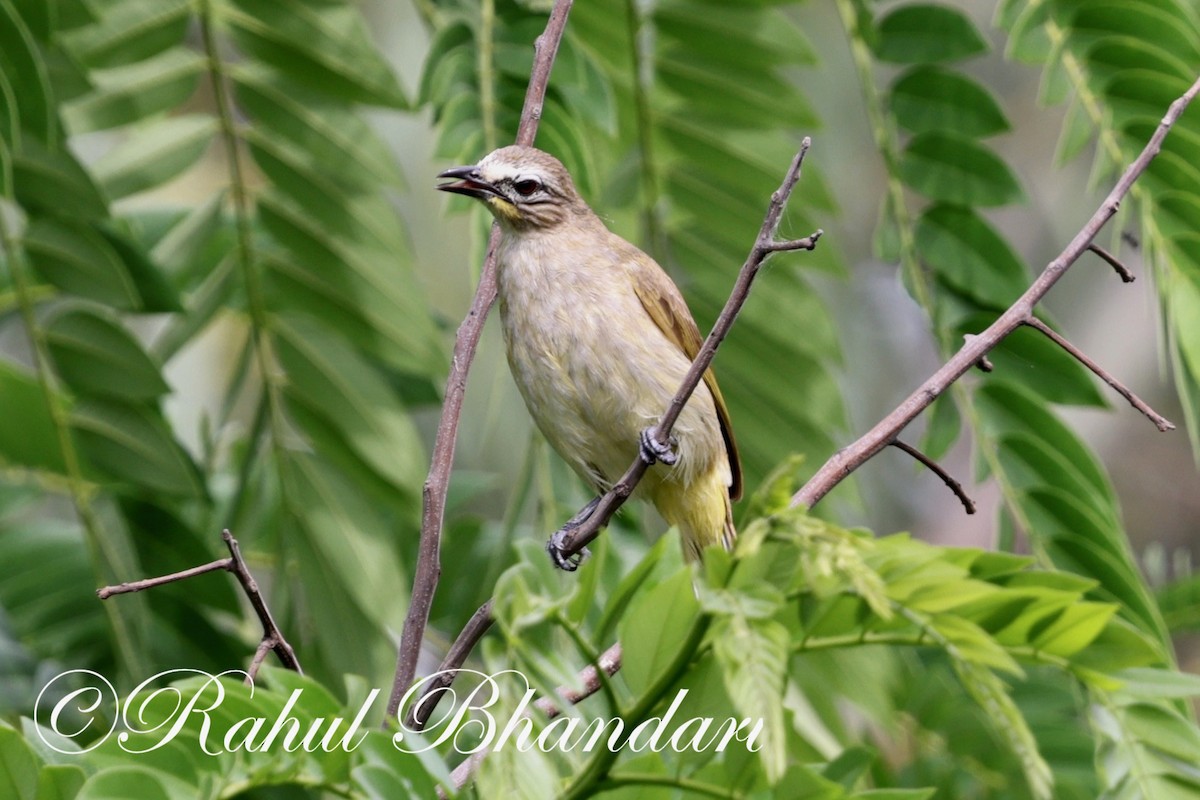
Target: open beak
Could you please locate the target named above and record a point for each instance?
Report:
(471, 184)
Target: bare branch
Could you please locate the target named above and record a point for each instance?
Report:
(478, 625)
(1159, 421)
(850, 458)
(577, 536)
(433, 497)
(936, 469)
(271, 633)
(272, 638)
(590, 676)
(149, 583)
(1113, 262)
(609, 662)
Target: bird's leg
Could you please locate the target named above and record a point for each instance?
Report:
(556, 546)
(652, 450)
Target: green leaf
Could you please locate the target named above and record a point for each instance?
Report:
(78, 259)
(53, 182)
(18, 767)
(124, 782)
(22, 64)
(1146, 683)
(325, 129)
(970, 256)
(653, 630)
(929, 98)
(954, 169)
(66, 623)
(155, 154)
(328, 379)
(992, 697)
(35, 442)
(345, 549)
(331, 277)
(327, 47)
(182, 249)
(95, 354)
(927, 33)
(753, 654)
(133, 443)
(60, 782)
(135, 92)
(131, 31)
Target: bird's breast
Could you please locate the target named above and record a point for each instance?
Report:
(592, 366)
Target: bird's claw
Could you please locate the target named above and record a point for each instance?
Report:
(556, 547)
(652, 450)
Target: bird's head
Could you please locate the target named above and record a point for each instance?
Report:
(523, 187)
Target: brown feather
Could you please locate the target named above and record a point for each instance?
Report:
(662, 301)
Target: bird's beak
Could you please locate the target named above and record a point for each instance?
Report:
(471, 184)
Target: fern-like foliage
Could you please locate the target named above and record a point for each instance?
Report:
(295, 258)
(932, 123)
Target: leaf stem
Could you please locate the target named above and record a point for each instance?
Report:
(245, 251)
(81, 491)
(644, 120)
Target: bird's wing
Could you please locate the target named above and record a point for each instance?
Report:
(665, 305)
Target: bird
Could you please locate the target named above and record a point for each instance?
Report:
(598, 339)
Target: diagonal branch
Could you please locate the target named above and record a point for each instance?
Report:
(850, 458)
(433, 498)
(577, 536)
(1159, 421)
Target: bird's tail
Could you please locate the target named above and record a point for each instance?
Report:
(701, 510)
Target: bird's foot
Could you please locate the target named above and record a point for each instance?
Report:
(556, 547)
(652, 450)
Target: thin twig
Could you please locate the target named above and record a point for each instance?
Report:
(1114, 262)
(850, 458)
(260, 655)
(271, 633)
(433, 497)
(765, 244)
(1159, 421)
(937, 469)
(272, 638)
(106, 592)
(591, 681)
(479, 624)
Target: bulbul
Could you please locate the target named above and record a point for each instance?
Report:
(598, 338)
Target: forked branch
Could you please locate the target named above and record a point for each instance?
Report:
(272, 638)
(850, 458)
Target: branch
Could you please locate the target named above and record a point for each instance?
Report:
(479, 624)
(1113, 262)
(850, 458)
(577, 536)
(272, 638)
(936, 469)
(1159, 421)
(428, 569)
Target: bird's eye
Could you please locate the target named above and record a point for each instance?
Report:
(527, 187)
